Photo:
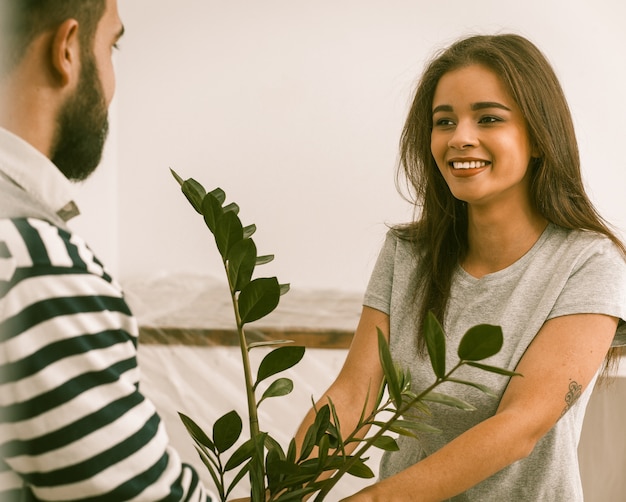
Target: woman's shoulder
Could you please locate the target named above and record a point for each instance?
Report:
(581, 239)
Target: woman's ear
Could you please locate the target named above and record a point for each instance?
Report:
(65, 52)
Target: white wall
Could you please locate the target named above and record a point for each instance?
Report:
(294, 108)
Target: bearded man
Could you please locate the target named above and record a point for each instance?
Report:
(73, 423)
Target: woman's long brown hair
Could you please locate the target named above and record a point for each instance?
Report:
(557, 191)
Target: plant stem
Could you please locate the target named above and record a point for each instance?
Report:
(257, 465)
(332, 481)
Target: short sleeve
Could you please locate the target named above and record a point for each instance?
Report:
(378, 292)
(597, 286)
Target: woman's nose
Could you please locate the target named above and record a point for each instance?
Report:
(464, 136)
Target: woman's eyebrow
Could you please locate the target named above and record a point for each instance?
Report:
(489, 104)
(475, 106)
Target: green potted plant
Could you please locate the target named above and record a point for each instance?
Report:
(290, 474)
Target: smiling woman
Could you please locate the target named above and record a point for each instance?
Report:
(478, 128)
(506, 236)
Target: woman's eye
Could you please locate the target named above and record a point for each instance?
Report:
(443, 122)
(489, 119)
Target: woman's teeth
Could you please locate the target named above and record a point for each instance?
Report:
(468, 165)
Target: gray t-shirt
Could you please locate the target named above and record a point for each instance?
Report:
(565, 272)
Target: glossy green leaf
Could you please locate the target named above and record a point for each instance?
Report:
(315, 431)
(284, 289)
(389, 369)
(493, 369)
(241, 263)
(193, 190)
(480, 342)
(273, 471)
(291, 451)
(249, 231)
(231, 208)
(219, 195)
(177, 177)
(360, 470)
(416, 426)
(278, 360)
(478, 386)
(386, 443)
(280, 387)
(226, 431)
(238, 477)
(258, 298)
(436, 344)
(454, 402)
(212, 211)
(228, 233)
(264, 260)
(196, 432)
(272, 445)
(409, 432)
(213, 471)
(335, 426)
(271, 343)
(241, 455)
(322, 452)
(322, 421)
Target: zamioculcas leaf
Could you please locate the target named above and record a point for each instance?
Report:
(386, 443)
(416, 426)
(249, 231)
(280, 387)
(389, 369)
(193, 190)
(228, 233)
(272, 469)
(408, 431)
(272, 343)
(480, 342)
(241, 262)
(231, 208)
(196, 432)
(478, 386)
(237, 478)
(258, 299)
(315, 431)
(212, 211)
(279, 360)
(454, 402)
(226, 431)
(321, 423)
(177, 177)
(213, 470)
(284, 289)
(360, 470)
(436, 344)
(263, 260)
(242, 454)
(493, 369)
(323, 448)
(219, 195)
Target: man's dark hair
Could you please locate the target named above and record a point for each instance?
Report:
(21, 21)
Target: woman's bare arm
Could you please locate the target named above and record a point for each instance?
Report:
(565, 354)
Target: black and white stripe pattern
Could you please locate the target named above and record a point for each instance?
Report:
(73, 423)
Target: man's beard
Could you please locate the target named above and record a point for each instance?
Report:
(82, 127)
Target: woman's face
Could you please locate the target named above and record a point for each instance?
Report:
(479, 138)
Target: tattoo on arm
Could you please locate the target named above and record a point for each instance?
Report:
(573, 393)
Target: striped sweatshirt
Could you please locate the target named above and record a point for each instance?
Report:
(74, 425)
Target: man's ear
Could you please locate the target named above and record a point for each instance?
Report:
(65, 52)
